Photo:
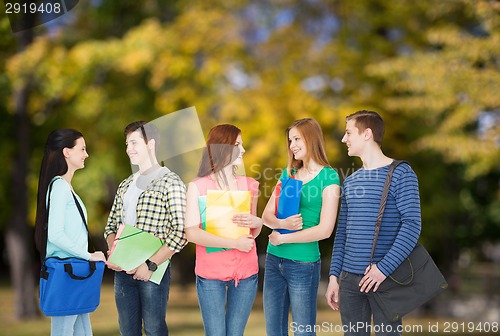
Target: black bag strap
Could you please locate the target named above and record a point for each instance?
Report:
(69, 269)
(91, 247)
(43, 252)
(383, 201)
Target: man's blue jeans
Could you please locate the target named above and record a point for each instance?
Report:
(290, 284)
(225, 308)
(138, 301)
(356, 309)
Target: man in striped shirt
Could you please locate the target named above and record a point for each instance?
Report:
(399, 230)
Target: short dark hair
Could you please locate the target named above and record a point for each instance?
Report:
(148, 131)
(364, 119)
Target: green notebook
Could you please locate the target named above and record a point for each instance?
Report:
(132, 247)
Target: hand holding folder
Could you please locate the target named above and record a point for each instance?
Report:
(131, 249)
(221, 206)
(288, 194)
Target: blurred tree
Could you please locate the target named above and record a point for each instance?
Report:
(44, 73)
(261, 65)
(448, 91)
(18, 233)
(451, 86)
(7, 48)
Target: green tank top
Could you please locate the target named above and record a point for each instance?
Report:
(310, 208)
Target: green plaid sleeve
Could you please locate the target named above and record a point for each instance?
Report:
(175, 237)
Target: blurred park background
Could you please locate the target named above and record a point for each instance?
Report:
(430, 68)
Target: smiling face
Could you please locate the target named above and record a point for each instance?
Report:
(75, 156)
(239, 151)
(296, 144)
(353, 138)
(137, 149)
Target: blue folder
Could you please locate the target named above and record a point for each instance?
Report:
(288, 200)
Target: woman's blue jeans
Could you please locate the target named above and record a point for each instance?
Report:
(290, 284)
(357, 308)
(225, 308)
(138, 301)
(72, 325)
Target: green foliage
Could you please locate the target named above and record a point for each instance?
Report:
(450, 86)
(446, 93)
(430, 68)
(7, 149)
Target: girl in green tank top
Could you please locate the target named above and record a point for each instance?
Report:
(292, 270)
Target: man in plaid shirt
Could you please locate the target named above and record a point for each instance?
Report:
(153, 200)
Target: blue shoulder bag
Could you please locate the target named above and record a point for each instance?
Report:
(69, 286)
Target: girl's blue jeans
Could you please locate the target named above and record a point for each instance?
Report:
(225, 308)
(290, 284)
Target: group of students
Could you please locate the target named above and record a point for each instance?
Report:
(155, 200)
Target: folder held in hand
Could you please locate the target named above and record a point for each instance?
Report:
(132, 247)
(288, 196)
(222, 205)
(202, 202)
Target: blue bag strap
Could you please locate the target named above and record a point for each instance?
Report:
(43, 246)
(43, 252)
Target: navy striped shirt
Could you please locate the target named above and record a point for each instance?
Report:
(400, 227)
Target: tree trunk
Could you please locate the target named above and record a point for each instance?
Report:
(19, 237)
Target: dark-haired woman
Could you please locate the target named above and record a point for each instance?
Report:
(65, 152)
(226, 280)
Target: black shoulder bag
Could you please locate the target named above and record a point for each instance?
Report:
(415, 281)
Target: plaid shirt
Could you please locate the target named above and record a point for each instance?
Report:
(160, 210)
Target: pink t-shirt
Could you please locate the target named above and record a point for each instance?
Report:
(230, 264)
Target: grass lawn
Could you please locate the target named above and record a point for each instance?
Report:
(184, 319)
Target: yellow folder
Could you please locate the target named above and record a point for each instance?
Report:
(221, 206)
(132, 247)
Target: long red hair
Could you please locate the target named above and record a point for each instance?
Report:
(220, 150)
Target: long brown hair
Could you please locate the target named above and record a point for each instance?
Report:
(220, 150)
(311, 133)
